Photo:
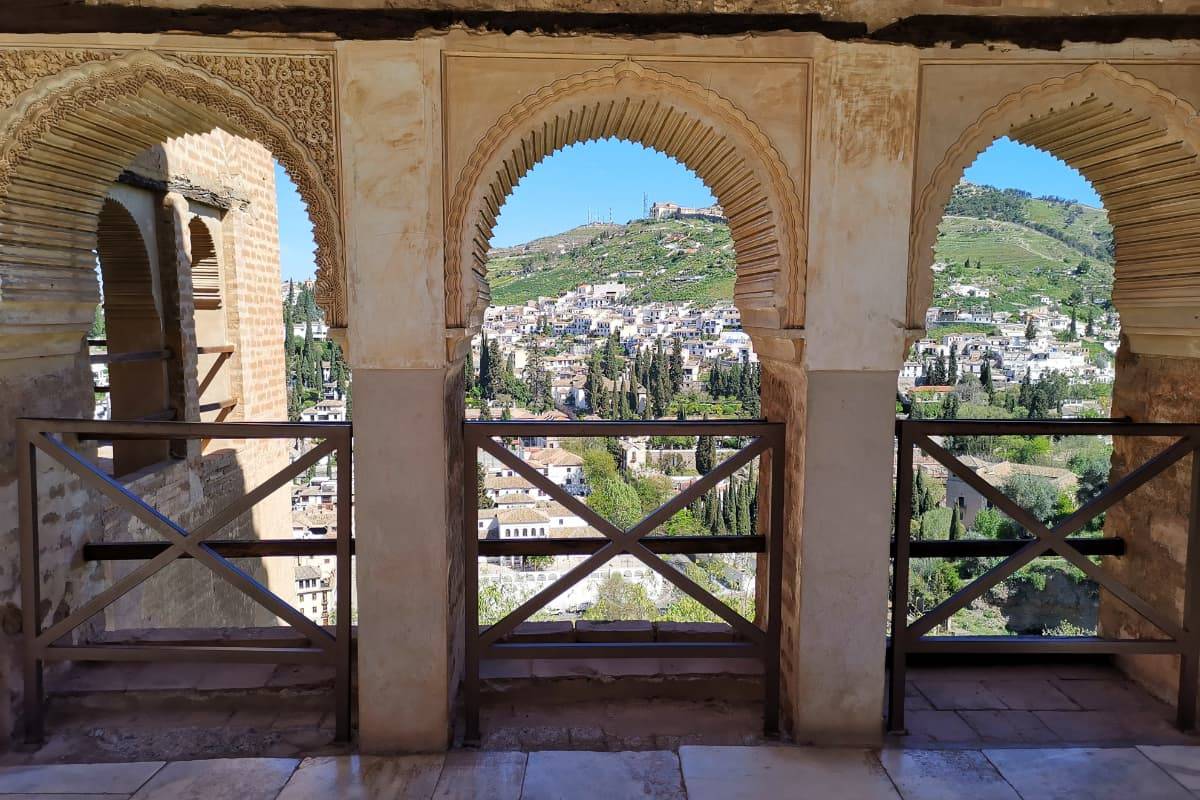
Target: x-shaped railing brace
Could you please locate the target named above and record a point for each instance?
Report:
(622, 541)
(1046, 538)
(182, 541)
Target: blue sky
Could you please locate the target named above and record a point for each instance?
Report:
(1011, 165)
(599, 179)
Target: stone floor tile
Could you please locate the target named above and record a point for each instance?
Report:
(77, 778)
(938, 726)
(1009, 727)
(1030, 695)
(1182, 762)
(364, 778)
(953, 695)
(57, 796)
(733, 773)
(1084, 670)
(219, 779)
(582, 775)
(1113, 727)
(945, 775)
(914, 700)
(1094, 695)
(1093, 773)
(468, 774)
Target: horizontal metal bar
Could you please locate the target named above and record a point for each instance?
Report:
(219, 405)
(132, 429)
(509, 650)
(229, 548)
(97, 342)
(127, 358)
(999, 645)
(998, 548)
(613, 428)
(590, 544)
(1044, 427)
(244, 655)
(102, 389)
(214, 349)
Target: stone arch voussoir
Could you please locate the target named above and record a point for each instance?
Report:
(1138, 145)
(692, 124)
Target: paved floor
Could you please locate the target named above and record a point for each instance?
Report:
(695, 772)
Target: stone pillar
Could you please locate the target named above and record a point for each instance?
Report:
(407, 397)
(1154, 519)
(864, 123)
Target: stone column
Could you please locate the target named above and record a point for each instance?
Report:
(407, 397)
(864, 123)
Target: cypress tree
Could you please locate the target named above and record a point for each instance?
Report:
(743, 509)
(729, 508)
(676, 369)
(469, 371)
(1073, 331)
(1090, 330)
(952, 367)
(487, 378)
(706, 454)
(957, 529)
(1031, 329)
(985, 377)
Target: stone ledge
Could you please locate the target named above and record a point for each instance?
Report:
(617, 631)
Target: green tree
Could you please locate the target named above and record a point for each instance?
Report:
(957, 529)
(487, 377)
(1093, 468)
(985, 377)
(1033, 493)
(618, 598)
(952, 366)
(616, 501)
(1031, 329)
(483, 500)
(706, 454)
(988, 522)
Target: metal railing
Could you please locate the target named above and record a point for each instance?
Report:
(754, 641)
(42, 645)
(1047, 540)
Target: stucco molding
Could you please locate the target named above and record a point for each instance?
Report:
(698, 127)
(1030, 110)
(286, 102)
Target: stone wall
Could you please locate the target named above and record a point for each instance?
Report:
(189, 488)
(1154, 519)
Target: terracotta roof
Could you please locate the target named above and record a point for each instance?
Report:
(506, 482)
(517, 516)
(556, 456)
(514, 499)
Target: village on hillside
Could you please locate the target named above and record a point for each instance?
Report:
(593, 351)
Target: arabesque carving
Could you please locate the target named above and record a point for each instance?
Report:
(69, 102)
(693, 124)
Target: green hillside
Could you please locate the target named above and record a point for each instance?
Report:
(677, 259)
(1017, 247)
(1020, 248)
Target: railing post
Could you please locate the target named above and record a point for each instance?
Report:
(343, 680)
(771, 660)
(30, 583)
(1189, 661)
(470, 482)
(899, 655)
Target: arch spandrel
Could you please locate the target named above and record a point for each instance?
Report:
(92, 111)
(694, 125)
(1139, 146)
